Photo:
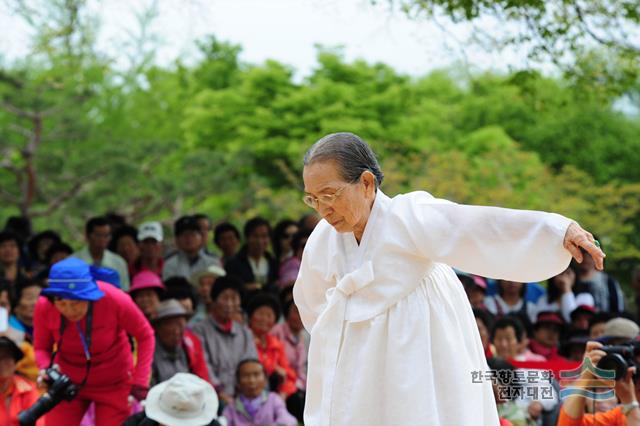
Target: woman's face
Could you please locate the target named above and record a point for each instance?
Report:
(169, 332)
(228, 243)
(27, 304)
(506, 342)
(251, 379)
(9, 252)
(226, 305)
(510, 288)
(72, 310)
(286, 238)
(147, 300)
(7, 364)
(258, 241)
(484, 332)
(128, 249)
(204, 288)
(349, 210)
(262, 320)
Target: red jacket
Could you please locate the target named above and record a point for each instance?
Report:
(273, 355)
(114, 316)
(195, 354)
(23, 394)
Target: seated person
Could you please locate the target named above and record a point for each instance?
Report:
(203, 281)
(508, 409)
(225, 341)
(597, 323)
(626, 390)
(21, 325)
(546, 335)
(183, 400)
(254, 405)
(180, 289)
(484, 320)
(146, 291)
(175, 352)
(18, 393)
(263, 312)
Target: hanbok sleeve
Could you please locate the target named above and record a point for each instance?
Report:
(515, 245)
(312, 283)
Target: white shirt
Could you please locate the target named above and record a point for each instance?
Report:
(393, 337)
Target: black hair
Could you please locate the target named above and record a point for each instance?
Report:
(485, 316)
(44, 235)
(9, 235)
(263, 299)
(523, 290)
(224, 283)
(95, 222)
(286, 295)
(279, 233)
(20, 225)
(222, 228)
(296, 242)
(199, 216)
(353, 156)
(123, 231)
(504, 376)
(508, 321)
(253, 224)
(57, 248)
(19, 289)
(247, 361)
(179, 288)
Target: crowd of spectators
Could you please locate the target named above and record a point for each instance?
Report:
(219, 301)
(537, 331)
(220, 304)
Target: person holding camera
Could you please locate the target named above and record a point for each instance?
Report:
(626, 413)
(82, 347)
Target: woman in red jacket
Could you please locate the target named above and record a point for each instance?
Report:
(263, 311)
(81, 326)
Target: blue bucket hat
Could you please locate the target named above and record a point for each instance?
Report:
(106, 275)
(71, 279)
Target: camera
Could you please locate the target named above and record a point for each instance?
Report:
(60, 388)
(619, 358)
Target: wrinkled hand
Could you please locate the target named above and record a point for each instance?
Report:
(576, 238)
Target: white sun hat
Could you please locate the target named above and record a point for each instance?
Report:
(183, 400)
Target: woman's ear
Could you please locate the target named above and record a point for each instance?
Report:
(369, 181)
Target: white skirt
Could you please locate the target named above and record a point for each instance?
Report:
(412, 365)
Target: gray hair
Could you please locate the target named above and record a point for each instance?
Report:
(353, 155)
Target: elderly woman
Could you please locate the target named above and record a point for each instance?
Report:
(82, 326)
(393, 337)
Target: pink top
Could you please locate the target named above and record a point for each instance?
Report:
(114, 316)
(296, 351)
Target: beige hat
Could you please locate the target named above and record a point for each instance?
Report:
(620, 328)
(209, 271)
(169, 308)
(183, 400)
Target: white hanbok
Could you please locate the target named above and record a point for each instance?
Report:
(393, 337)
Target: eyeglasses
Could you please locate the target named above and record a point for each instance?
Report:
(326, 199)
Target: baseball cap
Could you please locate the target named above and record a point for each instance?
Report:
(150, 230)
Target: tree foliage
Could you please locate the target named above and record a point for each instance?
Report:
(225, 137)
